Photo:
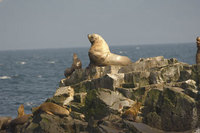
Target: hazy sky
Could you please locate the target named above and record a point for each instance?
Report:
(31, 24)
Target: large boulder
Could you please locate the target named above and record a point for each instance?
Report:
(170, 109)
(104, 99)
(101, 102)
(45, 123)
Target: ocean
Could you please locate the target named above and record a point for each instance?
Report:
(29, 77)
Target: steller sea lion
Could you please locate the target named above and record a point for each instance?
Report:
(132, 112)
(198, 51)
(20, 111)
(21, 118)
(75, 65)
(51, 108)
(100, 55)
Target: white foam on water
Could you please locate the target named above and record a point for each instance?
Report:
(22, 62)
(5, 77)
(30, 104)
(39, 76)
(51, 62)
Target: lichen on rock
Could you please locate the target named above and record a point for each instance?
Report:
(103, 99)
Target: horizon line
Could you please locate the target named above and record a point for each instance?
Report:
(71, 47)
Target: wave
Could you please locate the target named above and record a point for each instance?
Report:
(5, 77)
(122, 52)
(51, 62)
(23, 62)
(39, 76)
(30, 104)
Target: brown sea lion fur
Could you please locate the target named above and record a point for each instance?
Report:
(132, 112)
(198, 41)
(75, 65)
(20, 120)
(20, 111)
(100, 55)
(51, 108)
(198, 51)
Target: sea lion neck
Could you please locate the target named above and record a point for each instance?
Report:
(198, 41)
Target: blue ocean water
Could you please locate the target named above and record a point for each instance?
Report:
(29, 77)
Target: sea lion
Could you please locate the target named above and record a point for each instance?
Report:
(100, 55)
(132, 112)
(20, 111)
(51, 108)
(21, 118)
(198, 51)
(75, 65)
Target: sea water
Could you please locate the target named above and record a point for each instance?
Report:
(29, 77)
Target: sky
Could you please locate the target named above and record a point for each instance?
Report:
(36, 24)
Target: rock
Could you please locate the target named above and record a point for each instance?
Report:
(102, 102)
(53, 124)
(4, 122)
(63, 96)
(89, 74)
(48, 123)
(137, 79)
(146, 64)
(103, 99)
(143, 128)
(189, 87)
(80, 97)
(170, 110)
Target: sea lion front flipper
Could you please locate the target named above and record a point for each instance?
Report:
(48, 112)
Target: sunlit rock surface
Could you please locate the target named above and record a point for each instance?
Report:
(103, 99)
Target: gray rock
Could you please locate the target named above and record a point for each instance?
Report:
(101, 102)
(63, 96)
(44, 123)
(170, 110)
(167, 89)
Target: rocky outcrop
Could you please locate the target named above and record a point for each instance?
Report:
(152, 94)
(4, 123)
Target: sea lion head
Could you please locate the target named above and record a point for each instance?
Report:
(95, 38)
(75, 56)
(198, 39)
(76, 62)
